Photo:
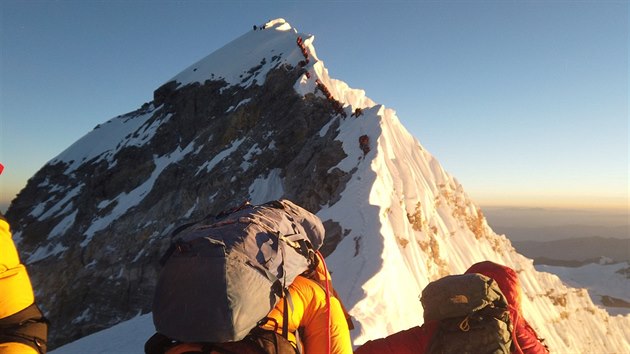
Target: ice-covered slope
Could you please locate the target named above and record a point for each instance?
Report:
(412, 223)
(399, 219)
(608, 284)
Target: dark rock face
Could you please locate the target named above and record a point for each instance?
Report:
(97, 270)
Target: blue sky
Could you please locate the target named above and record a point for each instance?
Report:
(524, 102)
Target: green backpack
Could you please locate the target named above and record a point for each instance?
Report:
(472, 313)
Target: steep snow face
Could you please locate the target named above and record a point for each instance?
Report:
(410, 222)
(404, 220)
(256, 52)
(102, 143)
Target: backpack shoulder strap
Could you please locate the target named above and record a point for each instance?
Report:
(28, 326)
(157, 344)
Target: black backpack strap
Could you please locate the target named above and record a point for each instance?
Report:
(28, 327)
(275, 204)
(246, 204)
(178, 244)
(157, 344)
(269, 341)
(285, 315)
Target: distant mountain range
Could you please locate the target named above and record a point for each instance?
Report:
(561, 232)
(574, 252)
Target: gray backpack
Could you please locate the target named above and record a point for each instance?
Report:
(472, 313)
(221, 277)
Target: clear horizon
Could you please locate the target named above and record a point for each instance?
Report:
(525, 103)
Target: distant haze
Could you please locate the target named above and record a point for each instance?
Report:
(547, 224)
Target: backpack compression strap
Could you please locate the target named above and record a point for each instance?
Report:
(28, 327)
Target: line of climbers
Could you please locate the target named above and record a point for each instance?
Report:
(337, 106)
(357, 112)
(364, 142)
(256, 283)
(300, 44)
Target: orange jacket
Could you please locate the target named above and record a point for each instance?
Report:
(308, 315)
(16, 292)
(417, 339)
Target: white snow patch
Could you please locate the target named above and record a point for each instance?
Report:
(189, 212)
(17, 237)
(91, 264)
(209, 165)
(46, 251)
(253, 151)
(125, 338)
(63, 203)
(39, 209)
(138, 256)
(325, 128)
(234, 108)
(84, 316)
(103, 204)
(267, 188)
(211, 198)
(63, 225)
(121, 272)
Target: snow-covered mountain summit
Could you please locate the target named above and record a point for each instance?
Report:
(261, 119)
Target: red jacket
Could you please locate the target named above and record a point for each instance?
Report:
(412, 341)
(417, 339)
(525, 337)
